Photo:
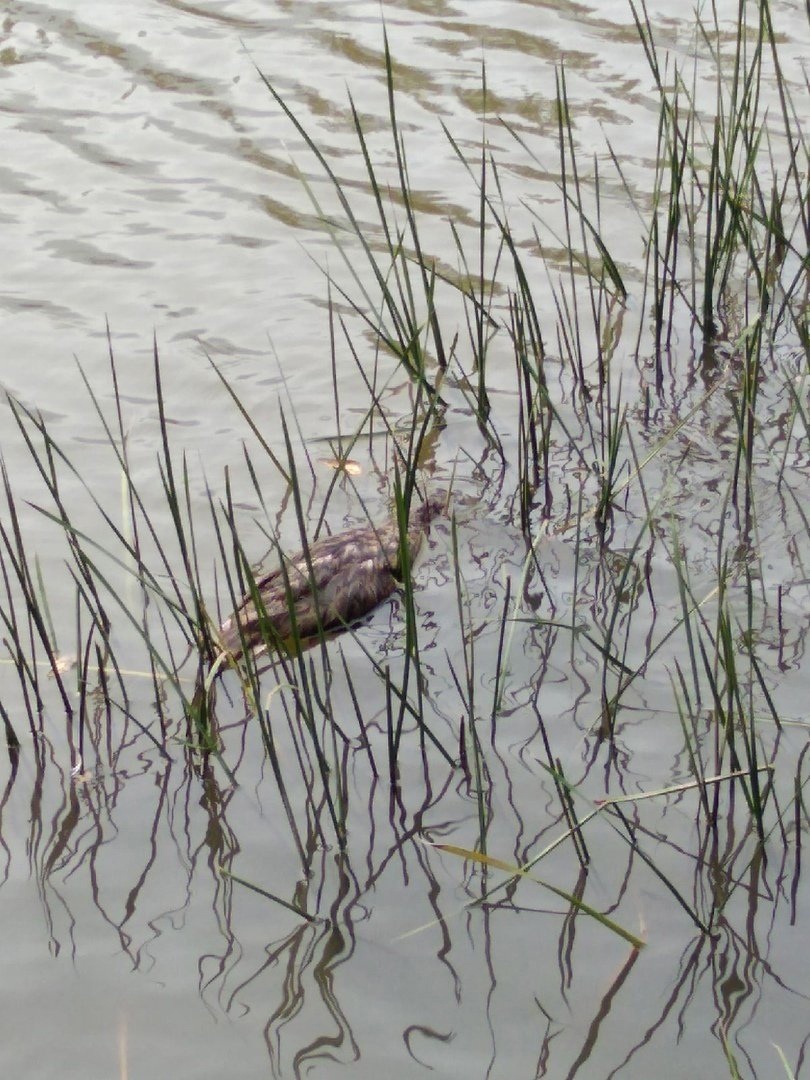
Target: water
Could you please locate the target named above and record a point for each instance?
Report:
(150, 184)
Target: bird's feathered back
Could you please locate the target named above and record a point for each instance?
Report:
(335, 581)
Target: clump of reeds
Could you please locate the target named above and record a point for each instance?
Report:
(724, 252)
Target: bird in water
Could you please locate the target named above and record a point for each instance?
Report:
(337, 580)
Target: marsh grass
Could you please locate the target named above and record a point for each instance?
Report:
(724, 254)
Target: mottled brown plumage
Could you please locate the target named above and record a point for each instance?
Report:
(350, 574)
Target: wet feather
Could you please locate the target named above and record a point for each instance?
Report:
(345, 577)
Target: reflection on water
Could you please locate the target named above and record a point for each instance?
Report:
(149, 182)
(168, 862)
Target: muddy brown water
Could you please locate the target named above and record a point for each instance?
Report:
(149, 183)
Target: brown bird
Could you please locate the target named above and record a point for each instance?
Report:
(340, 579)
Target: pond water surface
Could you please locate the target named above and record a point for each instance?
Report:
(151, 188)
